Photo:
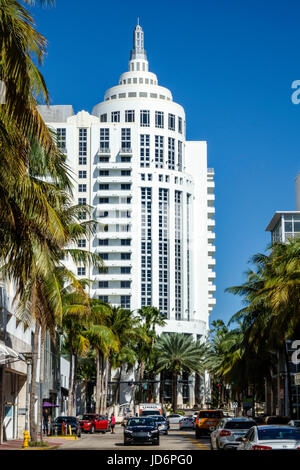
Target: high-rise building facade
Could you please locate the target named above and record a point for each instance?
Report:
(153, 197)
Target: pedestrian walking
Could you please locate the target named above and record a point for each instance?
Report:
(45, 421)
(112, 423)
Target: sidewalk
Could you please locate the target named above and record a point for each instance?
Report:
(17, 444)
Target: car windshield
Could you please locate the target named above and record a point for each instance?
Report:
(140, 422)
(150, 412)
(239, 424)
(158, 418)
(66, 419)
(88, 417)
(210, 414)
(278, 433)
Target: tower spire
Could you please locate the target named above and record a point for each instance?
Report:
(138, 51)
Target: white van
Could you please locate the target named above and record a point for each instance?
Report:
(147, 409)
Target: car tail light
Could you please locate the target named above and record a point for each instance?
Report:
(258, 447)
(225, 433)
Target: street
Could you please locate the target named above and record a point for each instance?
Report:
(175, 440)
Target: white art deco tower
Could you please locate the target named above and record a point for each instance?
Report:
(153, 197)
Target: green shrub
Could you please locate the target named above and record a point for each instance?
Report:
(38, 444)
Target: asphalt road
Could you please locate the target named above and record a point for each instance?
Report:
(175, 440)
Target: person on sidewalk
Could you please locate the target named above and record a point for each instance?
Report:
(112, 423)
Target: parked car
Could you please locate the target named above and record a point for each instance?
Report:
(207, 421)
(229, 432)
(295, 423)
(92, 422)
(270, 437)
(277, 420)
(174, 418)
(187, 422)
(141, 430)
(60, 428)
(162, 423)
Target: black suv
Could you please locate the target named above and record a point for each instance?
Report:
(61, 429)
(141, 430)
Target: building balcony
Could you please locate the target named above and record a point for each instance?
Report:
(211, 210)
(210, 197)
(114, 165)
(114, 235)
(211, 262)
(211, 249)
(113, 249)
(114, 179)
(112, 207)
(125, 151)
(211, 235)
(113, 277)
(110, 291)
(114, 193)
(117, 263)
(103, 151)
(114, 220)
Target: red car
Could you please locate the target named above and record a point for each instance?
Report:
(92, 422)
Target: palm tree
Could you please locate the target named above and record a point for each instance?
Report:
(151, 318)
(103, 340)
(178, 353)
(271, 295)
(126, 328)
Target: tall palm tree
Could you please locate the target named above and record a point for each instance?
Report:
(151, 318)
(178, 353)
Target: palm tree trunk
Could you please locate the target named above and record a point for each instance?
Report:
(32, 423)
(102, 386)
(174, 391)
(98, 381)
(289, 381)
(117, 389)
(42, 358)
(161, 389)
(70, 390)
(142, 370)
(107, 364)
(74, 384)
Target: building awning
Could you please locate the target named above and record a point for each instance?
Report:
(9, 355)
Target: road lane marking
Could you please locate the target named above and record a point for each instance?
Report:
(195, 442)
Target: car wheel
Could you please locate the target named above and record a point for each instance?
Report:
(197, 433)
(156, 442)
(166, 433)
(126, 443)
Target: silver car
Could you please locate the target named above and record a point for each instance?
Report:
(162, 424)
(271, 437)
(229, 433)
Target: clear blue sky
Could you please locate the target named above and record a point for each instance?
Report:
(230, 64)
